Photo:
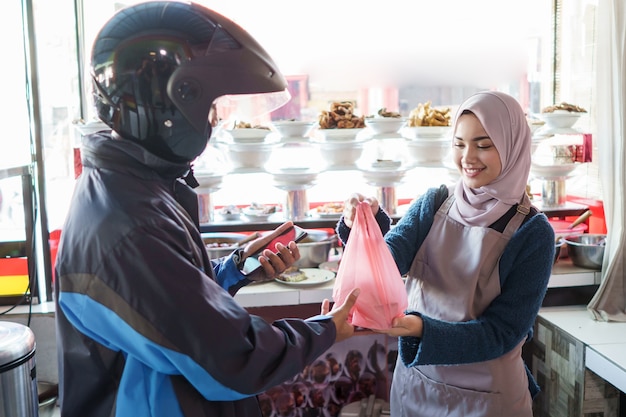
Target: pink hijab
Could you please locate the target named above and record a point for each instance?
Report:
(504, 121)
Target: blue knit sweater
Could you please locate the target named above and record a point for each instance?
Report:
(525, 268)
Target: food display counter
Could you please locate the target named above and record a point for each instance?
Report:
(564, 274)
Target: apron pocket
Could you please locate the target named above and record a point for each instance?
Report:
(427, 397)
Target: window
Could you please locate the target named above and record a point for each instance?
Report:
(385, 55)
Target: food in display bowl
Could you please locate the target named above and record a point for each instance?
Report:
(385, 122)
(380, 125)
(427, 115)
(330, 210)
(586, 250)
(230, 212)
(561, 116)
(560, 119)
(253, 135)
(259, 212)
(340, 116)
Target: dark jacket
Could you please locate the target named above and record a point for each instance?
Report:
(146, 325)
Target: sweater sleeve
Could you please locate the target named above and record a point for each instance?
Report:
(382, 218)
(525, 268)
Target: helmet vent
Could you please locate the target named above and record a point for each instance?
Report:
(189, 90)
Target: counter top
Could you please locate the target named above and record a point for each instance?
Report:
(564, 274)
(605, 342)
(609, 362)
(272, 293)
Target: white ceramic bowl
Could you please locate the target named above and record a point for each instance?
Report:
(428, 151)
(560, 119)
(426, 132)
(337, 154)
(380, 125)
(292, 128)
(249, 135)
(249, 155)
(339, 134)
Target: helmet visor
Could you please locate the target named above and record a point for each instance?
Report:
(249, 107)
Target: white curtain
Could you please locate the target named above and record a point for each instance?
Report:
(609, 302)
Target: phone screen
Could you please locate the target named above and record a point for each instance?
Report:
(294, 233)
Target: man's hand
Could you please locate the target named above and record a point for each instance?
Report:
(340, 315)
(273, 263)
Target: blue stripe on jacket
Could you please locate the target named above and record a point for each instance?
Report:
(144, 389)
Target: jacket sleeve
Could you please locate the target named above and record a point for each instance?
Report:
(525, 269)
(149, 301)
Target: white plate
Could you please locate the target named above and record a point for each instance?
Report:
(255, 214)
(314, 276)
(230, 216)
(322, 215)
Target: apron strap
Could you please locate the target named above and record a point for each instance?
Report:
(521, 211)
(445, 207)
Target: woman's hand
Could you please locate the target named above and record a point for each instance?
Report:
(349, 207)
(408, 325)
(340, 315)
(274, 263)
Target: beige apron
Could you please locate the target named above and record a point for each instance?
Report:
(454, 277)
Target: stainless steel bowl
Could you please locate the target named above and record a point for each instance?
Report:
(558, 246)
(315, 248)
(586, 250)
(227, 243)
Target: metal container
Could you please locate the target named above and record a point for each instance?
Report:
(558, 246)
(586, 250)
(227, 243)
(315, 249)
(18, 382)
(48, 394)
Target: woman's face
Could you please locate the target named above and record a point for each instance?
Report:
(474, 154)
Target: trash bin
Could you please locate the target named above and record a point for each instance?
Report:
(18, 381)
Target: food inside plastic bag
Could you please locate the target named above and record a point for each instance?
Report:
(367, 263)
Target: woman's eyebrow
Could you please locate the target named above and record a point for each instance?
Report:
(474, 139)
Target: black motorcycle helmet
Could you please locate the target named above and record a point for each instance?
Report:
(159, 68)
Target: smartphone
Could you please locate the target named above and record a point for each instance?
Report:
(295, 233)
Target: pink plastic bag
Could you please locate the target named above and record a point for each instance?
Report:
(367, 263)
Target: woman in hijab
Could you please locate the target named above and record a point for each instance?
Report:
(478, 257)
